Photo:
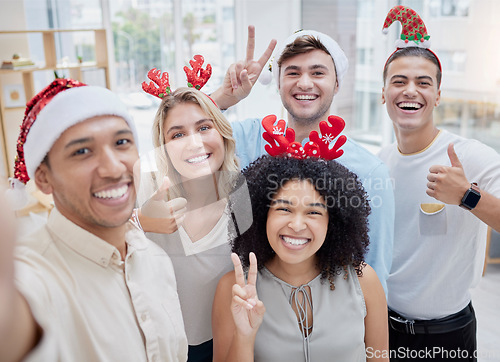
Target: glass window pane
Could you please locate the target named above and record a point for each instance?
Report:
(147, 35)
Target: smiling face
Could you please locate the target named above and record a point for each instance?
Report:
(90, 173)
(297, 223)
(410, 93)
(192, 142)
(308, 83)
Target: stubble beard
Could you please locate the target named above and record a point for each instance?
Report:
(86, 216)
(310, 121)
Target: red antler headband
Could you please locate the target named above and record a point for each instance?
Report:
(161, 81)
(413, 32)
(285, 144)
(197, 77)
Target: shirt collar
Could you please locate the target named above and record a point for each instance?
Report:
(89, 245)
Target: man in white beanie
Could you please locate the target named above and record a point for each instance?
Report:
(88, 285)
(308, 68)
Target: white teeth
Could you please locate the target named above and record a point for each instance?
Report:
(304, 97)
(197, 159)
(294, 241)
(410, 105)
(112, 194)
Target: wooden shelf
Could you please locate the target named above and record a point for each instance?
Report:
(56, 67)
(76, 70)
(48, 31)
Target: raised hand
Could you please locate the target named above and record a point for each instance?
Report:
(160, 216)
(18, 329)
(242, 75)
(7, 241)
(448, 184)
(246, 308)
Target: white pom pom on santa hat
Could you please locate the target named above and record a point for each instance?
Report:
(265, 77)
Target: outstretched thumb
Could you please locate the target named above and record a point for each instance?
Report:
(162, 193)
(156, 206)
(455, 162)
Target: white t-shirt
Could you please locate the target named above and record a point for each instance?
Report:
(438, 249)
(91, 305)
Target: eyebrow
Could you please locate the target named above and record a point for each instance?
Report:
(419, 77)
(312, 67)
(174, 128)
(318, 204)
(84, 140)
(286, 202)
(281, 201)
(78, 141)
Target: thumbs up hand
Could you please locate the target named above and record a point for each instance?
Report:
(160, 216)
(448, 184)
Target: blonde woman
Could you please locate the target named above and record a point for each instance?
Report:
(195, 149)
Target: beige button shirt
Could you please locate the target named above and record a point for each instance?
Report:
(91, 305)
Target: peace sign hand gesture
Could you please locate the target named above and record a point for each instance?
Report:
(242, 75)
(248, 311)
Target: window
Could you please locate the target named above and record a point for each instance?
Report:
(151, 36)
(146, 35)
(439, 8)
(70, 47)
(453, 60)
(365, 56)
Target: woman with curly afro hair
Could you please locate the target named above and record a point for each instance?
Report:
(309, 236)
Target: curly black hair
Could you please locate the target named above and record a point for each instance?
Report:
(346, 240)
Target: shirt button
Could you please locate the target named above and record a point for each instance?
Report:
(103, 261)
(154, 358)
(144, 317)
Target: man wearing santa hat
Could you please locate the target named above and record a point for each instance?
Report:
(87, 286)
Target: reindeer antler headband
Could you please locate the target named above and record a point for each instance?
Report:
(285, 144)
(197, 77)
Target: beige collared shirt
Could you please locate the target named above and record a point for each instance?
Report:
(91, 305)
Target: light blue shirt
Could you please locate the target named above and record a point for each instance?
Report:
(371, 171)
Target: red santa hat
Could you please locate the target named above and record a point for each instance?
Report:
(62, 104)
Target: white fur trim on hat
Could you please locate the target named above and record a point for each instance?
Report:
(339, 58)
(65, 110)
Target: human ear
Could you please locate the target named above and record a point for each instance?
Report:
(383, 96)
(438, 98)
(42, 179)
